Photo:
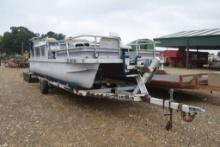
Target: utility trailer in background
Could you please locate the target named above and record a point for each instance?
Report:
(124, 91)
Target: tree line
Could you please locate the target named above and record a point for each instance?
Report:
(16, 40)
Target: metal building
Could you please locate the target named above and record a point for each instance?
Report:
(208, 39)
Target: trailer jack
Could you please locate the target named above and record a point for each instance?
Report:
(187, 117)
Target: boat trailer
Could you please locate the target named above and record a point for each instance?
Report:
(129, 92)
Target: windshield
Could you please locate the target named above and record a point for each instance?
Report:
(54, 45)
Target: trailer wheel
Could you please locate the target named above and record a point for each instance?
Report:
(168, 125)
(27, 77)
(44, 86)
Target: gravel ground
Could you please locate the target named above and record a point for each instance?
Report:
(28, 118)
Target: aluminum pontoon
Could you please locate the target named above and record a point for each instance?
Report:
(97, 66)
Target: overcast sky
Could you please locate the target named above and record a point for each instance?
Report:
(131, 19)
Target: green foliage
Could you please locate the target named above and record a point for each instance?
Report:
(58, 36)
(16, 40)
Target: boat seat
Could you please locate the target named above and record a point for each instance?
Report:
(109, 43)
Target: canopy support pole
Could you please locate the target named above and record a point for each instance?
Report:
(187, 54)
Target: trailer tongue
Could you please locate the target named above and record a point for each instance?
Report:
(188, 112)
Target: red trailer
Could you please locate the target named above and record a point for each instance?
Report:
(178, 58)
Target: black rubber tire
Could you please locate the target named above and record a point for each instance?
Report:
(27, 77)
(168, 125)
(44, 86)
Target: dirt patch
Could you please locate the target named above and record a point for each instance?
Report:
(180, 71)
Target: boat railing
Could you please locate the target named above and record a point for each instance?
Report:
(94, 36)
(88, 50)
(98, 43)
(138, 48)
